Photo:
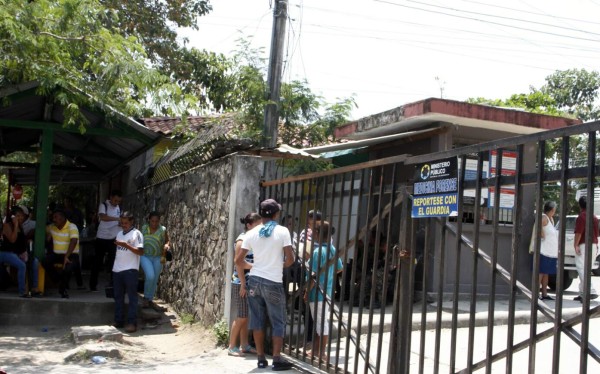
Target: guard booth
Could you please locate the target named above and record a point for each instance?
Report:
(453, 290)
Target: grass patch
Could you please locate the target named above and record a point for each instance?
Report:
(187, 318)
(221, 331)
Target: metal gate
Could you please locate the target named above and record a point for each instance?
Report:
(458, 294)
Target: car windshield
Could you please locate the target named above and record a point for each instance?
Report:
(571, 223)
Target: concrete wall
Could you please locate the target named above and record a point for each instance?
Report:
(201, 210)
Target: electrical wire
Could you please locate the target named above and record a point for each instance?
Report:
(528, 12)
(501, 17)
(430, 26)
(486, 21)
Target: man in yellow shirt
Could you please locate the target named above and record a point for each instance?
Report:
(65, 251)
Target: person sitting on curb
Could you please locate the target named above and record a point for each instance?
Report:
(14, 250)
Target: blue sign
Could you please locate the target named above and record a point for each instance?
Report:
(443, 205)
(435, 192)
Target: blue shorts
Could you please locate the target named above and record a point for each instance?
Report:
(266, 298)
(547, 265)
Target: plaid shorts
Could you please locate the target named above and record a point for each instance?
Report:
(240, 303)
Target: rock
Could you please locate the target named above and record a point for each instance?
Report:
(87, 351)
(150, 315)
(81, 334)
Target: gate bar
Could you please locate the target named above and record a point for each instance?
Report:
(475, 259)
(425, 285)
(543, 308)
(494, 258)
(589, 249)
(459, 221)
(561, 255)
(515, 248)
(344, 271)
(440, 298)
(389, 264)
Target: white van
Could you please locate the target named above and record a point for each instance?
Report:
(570, 269)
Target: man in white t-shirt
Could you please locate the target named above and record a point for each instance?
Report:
(108, 227)
(130, 246)
(272, 248)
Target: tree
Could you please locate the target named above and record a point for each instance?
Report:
(86, 54)
(575, 91)
(534, 102)
(154, 23)
(305, 118)
(572, 93)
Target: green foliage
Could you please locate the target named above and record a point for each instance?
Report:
(534, 102)
(125, 55)
(155, 23)
(568, 93)
(187, 319)
(303, 125)
(575, 91)
(74, 45)
(299, 167)
(221, 331)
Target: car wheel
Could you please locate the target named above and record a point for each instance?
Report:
(567, 281)
(596, 272)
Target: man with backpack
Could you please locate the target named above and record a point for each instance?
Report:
(109, 212)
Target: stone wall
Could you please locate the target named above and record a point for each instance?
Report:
(200, 209)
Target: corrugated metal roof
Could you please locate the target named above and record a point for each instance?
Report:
(87, 158)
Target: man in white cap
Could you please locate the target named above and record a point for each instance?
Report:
(272, 247)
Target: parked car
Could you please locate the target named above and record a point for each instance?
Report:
(570, 271)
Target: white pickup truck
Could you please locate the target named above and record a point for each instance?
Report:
(570, 270)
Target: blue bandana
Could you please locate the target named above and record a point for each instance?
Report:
(267, 229)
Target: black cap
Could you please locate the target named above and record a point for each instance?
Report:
(269, 207)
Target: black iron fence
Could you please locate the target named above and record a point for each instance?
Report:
(422, 295)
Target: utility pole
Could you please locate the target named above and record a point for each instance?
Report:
(270, 129)
(274, 75)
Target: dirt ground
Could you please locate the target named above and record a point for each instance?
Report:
(170, 341)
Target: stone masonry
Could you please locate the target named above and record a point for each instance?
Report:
(196, 208)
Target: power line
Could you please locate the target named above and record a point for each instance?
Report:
(429, 26)
(412, 41)
(486, 21)
(437, 36)
(529, 12)
(502, 17)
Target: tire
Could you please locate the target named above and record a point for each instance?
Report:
(596, 272)
(567, 281)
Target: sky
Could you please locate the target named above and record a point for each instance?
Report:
(391, 52)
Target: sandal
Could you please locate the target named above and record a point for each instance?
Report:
(249, 349)
(235, 351)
